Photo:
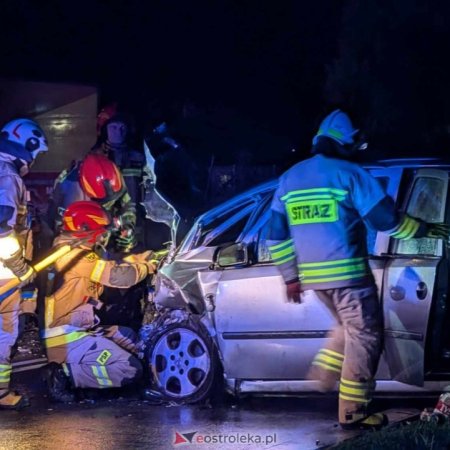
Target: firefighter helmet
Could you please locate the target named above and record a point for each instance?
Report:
(105, 114)
(100, 179)
(27, 133)
(337, 126)
(86, 219)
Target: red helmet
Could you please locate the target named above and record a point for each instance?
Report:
(100, 179)
(85, 219)
(105, 114)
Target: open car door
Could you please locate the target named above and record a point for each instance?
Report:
(411, 279)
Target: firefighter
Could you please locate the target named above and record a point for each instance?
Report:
(21, 140)
(318, 242)
(101, 180)
(114, 143)
(82, 353)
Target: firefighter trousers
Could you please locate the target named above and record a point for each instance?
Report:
(353, 349)
(9, 323)
(96, 361)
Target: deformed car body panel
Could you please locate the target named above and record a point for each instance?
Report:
(263, 340)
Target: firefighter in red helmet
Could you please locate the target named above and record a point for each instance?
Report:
(82, 353)
(102, 182)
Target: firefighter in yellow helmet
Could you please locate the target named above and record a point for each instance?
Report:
(82, 353)
(318, 242)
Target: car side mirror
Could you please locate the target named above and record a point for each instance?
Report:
(232, 255)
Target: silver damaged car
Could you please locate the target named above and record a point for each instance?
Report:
(222, 320)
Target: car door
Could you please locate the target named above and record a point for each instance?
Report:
(410, 280)
(260, 335)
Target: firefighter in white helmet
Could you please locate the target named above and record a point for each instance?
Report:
(318, 243)
(21, 140)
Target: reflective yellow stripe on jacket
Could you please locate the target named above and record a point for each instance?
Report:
(406, 229)
(64, 339)
(98, 270)
(282, 253)
(342, 269)
(102, 376)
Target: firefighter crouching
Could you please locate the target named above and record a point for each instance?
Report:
(21, 140)
(319, 243)
(82, 353)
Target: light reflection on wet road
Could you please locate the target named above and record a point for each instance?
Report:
(286, 423)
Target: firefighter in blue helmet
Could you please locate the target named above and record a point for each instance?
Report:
(318, 242)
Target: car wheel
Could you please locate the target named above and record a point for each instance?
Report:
(183, 362)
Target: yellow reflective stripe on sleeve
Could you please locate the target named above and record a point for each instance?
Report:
(101, 374)
(406, 229)
(283, 252)
(274, 248)
(99, 268)
(64, 339)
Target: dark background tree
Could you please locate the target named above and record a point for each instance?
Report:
(392, 72)
(260, 74)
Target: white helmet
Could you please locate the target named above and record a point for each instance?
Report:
(27, 133)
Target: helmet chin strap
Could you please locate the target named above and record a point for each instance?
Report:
(22, 166)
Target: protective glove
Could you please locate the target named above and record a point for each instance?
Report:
(146, 258)
(438, 231)
(293, 291)
(18, 266)
(126, 240)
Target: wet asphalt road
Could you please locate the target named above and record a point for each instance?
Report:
(128, 423)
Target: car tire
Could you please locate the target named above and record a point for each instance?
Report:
(183, 361)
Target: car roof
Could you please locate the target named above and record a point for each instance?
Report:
(272, 184)
(408, 163)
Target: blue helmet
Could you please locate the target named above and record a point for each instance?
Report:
(337, 126)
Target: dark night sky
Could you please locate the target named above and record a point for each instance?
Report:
(261, 62)
(275, 67)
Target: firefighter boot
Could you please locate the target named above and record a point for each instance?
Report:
(372, 422)
(12, 400)
(58, 384)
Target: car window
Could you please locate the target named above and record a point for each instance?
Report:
(263, 253)
(425, 203)
(227, 227)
